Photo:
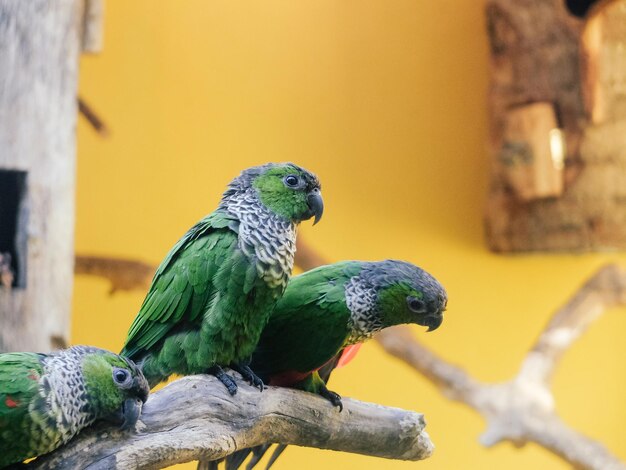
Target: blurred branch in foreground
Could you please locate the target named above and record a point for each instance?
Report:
(185, 422)
(521, 410)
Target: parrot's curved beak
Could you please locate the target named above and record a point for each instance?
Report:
(432, 322)
(316, 204)
(131, 410)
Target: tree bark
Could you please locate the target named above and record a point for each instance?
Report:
(543, 55)
(195, 418)
(39, 48)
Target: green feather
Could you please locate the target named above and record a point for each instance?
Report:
(47, 399)
(214, 291)
(314, 302)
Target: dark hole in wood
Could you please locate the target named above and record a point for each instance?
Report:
(13, 227)
(579, 7)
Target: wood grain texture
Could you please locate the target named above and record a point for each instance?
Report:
(536, 57)
(195, 418)
(39, 47)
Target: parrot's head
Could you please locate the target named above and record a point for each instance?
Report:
(286, 189)
(408, 294)
(115, 387)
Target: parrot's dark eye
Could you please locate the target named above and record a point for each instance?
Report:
(121, 376)
(416, 305)
(292, 181)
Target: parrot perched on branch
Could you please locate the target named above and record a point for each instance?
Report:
(215, 290)
(46, 399)
(329, 311)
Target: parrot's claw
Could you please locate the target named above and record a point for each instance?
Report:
(249, 376)
(332, 397)
(223, 377)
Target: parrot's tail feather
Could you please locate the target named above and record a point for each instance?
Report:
(257, 454)
(208, 464)
(236, 459)
(279, 450)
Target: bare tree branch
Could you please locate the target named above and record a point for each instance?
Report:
(522, 409)
(606, 289)
(195, 418)
(123, 274)
(93, 118)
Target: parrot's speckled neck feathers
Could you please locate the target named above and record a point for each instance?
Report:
(267, 239)
(63, 390)
(364, 319)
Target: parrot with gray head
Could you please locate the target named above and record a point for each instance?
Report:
(324, 316)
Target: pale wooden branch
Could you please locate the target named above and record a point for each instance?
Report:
(606, 289)
(195, 418)
(522, 409)
(93, 19)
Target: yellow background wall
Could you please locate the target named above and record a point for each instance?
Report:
(385, 100)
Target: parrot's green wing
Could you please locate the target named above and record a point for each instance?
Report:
(315, 299)
(183, 288)
(19, 377)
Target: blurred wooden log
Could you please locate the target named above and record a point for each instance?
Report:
(541, 53)
(533, 152)
(604, 56)
(39, 46)
(93, 19)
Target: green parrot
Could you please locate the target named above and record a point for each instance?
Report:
(215, 290)
(46, 399)
(326, 313)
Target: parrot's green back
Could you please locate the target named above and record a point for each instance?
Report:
(214, 292)
(19, 376)
(205, 278)
(308, 326)
(46, 399)
(334, 306)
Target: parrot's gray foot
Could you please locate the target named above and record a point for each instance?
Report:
(249, 376)
(223, 377)
(332, 397)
